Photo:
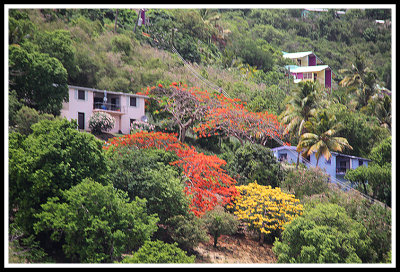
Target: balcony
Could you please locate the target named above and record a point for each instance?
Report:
(108, 107)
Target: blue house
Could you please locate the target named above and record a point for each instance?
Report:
(336, 166)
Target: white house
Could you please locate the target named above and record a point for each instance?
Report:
(124, 107)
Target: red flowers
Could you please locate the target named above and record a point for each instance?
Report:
(207, 182)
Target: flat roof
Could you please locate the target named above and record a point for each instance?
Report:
(308, 69)
(109, 92)
(296, 55)
(291, 147)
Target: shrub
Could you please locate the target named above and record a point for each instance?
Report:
(97, 222)
(188, 231)
(324, 234)
(101, 121)
(264, 209)
(159, 252)
(26, 117)
(305, 182)
(255, 162)
(218, 222)
(137, 126)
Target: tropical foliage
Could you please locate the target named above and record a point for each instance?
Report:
(220, 98)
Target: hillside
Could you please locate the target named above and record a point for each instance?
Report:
(202, 169)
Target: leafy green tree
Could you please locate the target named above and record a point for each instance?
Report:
(38, 79)
(58, 44)
(324, 234)
(219, 222)
(255, 162)
(97, 223)
(158, 252)
(375, 179)
(321, 138)
(54, 157)
(147, 174)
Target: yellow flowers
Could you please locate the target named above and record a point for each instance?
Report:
(265, 209)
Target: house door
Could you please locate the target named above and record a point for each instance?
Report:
(81, 120)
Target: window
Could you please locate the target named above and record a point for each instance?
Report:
(133, 102)
(360, 162)
(283, 157)
(329, 161)
(81, 95)
(307, 75)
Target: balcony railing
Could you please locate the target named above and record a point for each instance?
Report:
(106, 106)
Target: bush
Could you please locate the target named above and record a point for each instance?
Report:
(305, 182)
(218, 222)
(26, 117)
(98, 223)
(137, 126)
(101, 121)
(264, 209)
(255, 162)
(159, 252)
(188, 231)
(324, 234)
(373, 216)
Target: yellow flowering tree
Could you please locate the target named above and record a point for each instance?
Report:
(265, 209)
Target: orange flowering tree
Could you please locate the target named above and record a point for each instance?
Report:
(186, 105)
(210, 113)
(233, 119)
(206, 182)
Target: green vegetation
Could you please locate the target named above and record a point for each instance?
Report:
(70, 200)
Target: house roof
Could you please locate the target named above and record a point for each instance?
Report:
(109, 92)
(286, 147)
(296, 55)
(308, 69)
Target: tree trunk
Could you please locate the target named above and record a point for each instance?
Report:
(116, 21)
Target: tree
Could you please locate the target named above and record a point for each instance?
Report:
(218, 222)
(375, 179)
(146, 173)
(54, 157)
(265, 210)
(206, 182)
(321, 138)
(362, 78)
(97, 223)
(230, 118)
(39, 80)
(255, 162)
(185, 105)
(324, 234)
(300, 106)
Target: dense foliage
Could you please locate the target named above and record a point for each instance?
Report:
(98, 223)
(157, 192)
(324, 234)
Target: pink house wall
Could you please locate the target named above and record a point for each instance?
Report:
(74, 106)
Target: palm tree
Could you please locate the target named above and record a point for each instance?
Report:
(300, 106)
(321, 136)
(362, 78)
